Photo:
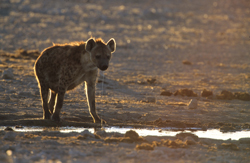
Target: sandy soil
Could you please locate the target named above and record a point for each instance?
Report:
(162, 46)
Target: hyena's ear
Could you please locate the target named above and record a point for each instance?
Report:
(90, 44)
(111, 45)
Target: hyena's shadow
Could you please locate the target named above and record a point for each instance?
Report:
(106, 85)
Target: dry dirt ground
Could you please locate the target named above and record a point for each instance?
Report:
(162, 47)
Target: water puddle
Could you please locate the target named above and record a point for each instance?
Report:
(210, 133)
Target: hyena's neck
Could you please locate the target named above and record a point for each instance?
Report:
(87, 63)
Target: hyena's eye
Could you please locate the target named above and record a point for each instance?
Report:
(97, 56)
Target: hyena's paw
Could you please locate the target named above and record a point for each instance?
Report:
(101, 121)
(55, 117)
(46, 115)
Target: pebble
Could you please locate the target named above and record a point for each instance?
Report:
(187, 136)
(190, 141)
(8, 129)
(8, 74)
(225, 95)
(86, 133)
(185, 92)
(193, 104)
(206, 93)
(166, 93)
(132, 134)
(186, 62)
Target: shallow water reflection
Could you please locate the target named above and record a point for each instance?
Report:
(210, 133)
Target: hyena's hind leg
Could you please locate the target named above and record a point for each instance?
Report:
(59, 103)
(44, 90)
(52, 101)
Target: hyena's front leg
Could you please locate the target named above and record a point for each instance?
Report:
(59, 104)
(90, 93)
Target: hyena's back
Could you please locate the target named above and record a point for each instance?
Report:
(58, 65)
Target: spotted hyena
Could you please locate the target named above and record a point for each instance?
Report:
(61, 68)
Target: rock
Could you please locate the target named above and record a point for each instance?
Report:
(9, 152)
(8, 129)
(184, 135)
(190, 141)
(185, 92)
(86, 134)
(193, 104)
(18, 126)
(166, 93)
(206, 93)
(151, 81)
(132, 134)
(145, 146)
(8, 74)
(225, 95)
(186, 62)
(242, 96)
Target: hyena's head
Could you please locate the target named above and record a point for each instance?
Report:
(100, 52)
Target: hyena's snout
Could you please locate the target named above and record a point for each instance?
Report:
(104, 67)
(103, 64)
